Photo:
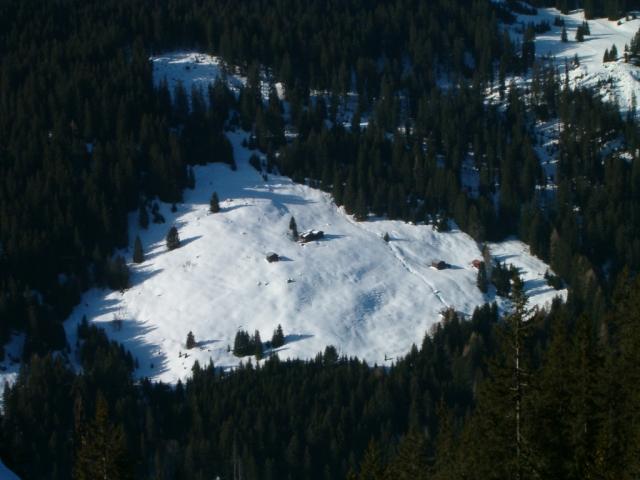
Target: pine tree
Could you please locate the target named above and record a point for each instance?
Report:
(214, 203)
(143, 217)
(446, 461)
(518, 329)
(173, 239)
(116, 273)
(277, 339)
(241, 344)
(372, 467)
(579, 34)
(257, 345)
(191, 179)
(293, 227)
(410, 461)
(101, 451)
(563, 35)
(191, 341)
(138, 254)
(360, 210)
(502, 422)
(482, 281)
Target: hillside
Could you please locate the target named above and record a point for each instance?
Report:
(369, 298)
(615, 81)
(351, 289)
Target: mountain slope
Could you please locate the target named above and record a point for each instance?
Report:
(351, 289)
(616, 81)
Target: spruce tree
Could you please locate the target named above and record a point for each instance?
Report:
(446, 464)
(138, 254)
(482, 281)
(191, 179)
(277, 339)
(502, 423)
(214, 203)
(101, 451)
(173, 239)
(143, 217)
(293, 228)
(372, 466)
(257, 345)
(563, 35)
(116, 273)
(360, 209)
(191, 341)
(410, 461)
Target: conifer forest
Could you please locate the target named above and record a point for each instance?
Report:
(384, 106)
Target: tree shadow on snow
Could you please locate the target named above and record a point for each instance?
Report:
(133, 335)
(277, 198)
(187, 241)
(204, 343)
(144, 274)
(292, 338)
(330, 236)
(234, 207)
(160, 248)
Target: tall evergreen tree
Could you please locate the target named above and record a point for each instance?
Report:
(257, 345)
(214, 203)
(482, 281)
(143, 217)
(372, 466)
(277, 339)
(293, 228)
(138, 254)
(191, 341)
(410, 461)
(102, 451)
(173, 239)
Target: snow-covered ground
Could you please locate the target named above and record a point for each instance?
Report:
(615, 81)
(351, 289)
(370, 298)
(199, 70)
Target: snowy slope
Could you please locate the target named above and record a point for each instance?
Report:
(199, 70)
(615, 81)
(369, 298)
(351, 289)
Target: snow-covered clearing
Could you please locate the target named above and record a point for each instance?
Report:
(351, 289)
(199, 70)
(615, 81)
(370, 298)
